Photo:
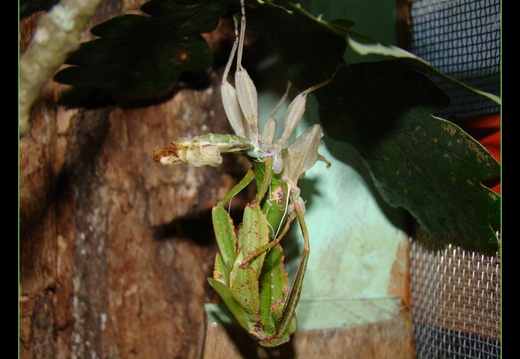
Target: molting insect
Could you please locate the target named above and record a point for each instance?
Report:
(249, 273)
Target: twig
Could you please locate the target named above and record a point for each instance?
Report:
(57, 35)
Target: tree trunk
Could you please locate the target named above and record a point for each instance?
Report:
(116, 249)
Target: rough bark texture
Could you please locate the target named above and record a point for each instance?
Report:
(116, 249)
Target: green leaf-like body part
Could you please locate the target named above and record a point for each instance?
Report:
(273, 283)
(245, 290)
(275, 200)
(253, 235)
(141, 57)
(244, 319)
(221, 271)
(225, 235)
(384, 109)
(281, 338)
(256, 289)
(275, 206)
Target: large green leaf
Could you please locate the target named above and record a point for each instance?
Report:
(424, 164)
(366, 45)
(138, 57)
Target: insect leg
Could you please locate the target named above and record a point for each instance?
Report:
(250, 174)
(269, 130)
(296, 108)
(294, 295)
(271, 244)
(326, 82)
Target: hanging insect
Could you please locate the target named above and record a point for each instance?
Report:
(249, 273)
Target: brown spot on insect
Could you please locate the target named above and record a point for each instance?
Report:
(159, 154)
(276, 306)
(259, 327)
(278, 195)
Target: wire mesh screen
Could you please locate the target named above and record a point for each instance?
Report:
(462, 39)
(455, 302)
(455, 293)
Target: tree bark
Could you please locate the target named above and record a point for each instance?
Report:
(116, 249)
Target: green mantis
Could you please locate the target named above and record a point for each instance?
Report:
(249, 273)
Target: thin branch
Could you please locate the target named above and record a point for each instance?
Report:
(57, 35)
